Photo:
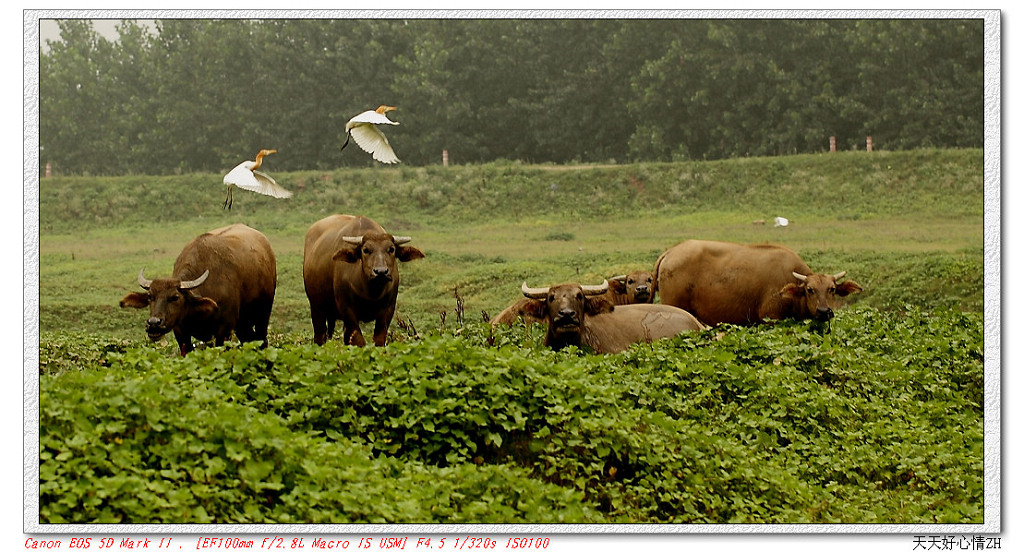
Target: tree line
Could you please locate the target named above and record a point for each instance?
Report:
(195, 95)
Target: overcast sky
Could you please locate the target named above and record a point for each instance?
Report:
(48, 30)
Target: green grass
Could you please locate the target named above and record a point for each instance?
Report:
(894, 221)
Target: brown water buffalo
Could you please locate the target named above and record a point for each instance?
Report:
(516, 311)
(631, 289)
(577, 315)
(350, 270)
(731, 283)
(628, 289)
(223, 281)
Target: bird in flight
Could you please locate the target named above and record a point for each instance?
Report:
(363, 128)
(246, 177)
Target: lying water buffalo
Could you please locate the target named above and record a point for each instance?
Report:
(514, 312)
(627, 289)
(631, 289)
(223, 281)
(576, 315)
(722, 282)
(350, 270)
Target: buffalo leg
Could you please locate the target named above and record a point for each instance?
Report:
(184, 342)
(354, 336)
(380, 332)
(322, 327)
(244, 331)
(261, 325)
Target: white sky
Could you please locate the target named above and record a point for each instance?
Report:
(48, 30)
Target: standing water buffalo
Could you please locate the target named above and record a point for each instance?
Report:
(577, 315)
(730, 283)
(350, 270)
(223, 281)
(628, 289)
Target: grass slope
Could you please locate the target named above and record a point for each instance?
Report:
(906, 225)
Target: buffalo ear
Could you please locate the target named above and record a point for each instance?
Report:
(406, 254)
(347, 253)
(135, 300)
(203, 306)
(791, 289)
(847, 288)
(534, 308)
(617, 286)
(598, 305)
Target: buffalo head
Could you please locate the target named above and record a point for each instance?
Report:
(377, 253)
(565, 307)
(635, 287)
(169, 300)
(816, 294)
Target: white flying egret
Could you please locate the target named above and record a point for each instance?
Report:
(363, 128)
(246, 177)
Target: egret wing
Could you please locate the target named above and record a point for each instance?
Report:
(254, 181)
(240, 173)
(267, 186)
(371, 117)
(374, 142)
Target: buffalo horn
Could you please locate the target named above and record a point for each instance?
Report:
(400, 240)
(800, 277)
(535, 293)
(595, 290)
(143, 281)
(620, 278)
(356, 240)
(189, 284)
(839, 275)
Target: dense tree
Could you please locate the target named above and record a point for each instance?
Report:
(201, 95)
(921, 83)
(72, 96)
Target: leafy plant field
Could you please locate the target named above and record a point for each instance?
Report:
(877, 419)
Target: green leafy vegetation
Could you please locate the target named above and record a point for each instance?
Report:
(876, 418)
(158, 441)
(877, 421)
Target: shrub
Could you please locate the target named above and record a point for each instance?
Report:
(875, 419)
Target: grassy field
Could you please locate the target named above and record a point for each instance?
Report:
(907, 226)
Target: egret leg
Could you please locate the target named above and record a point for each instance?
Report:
(228, 200)
(348, 136)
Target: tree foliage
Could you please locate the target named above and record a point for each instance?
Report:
(202, 95)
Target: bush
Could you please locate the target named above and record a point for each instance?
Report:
(159, 440)
(877, 419)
